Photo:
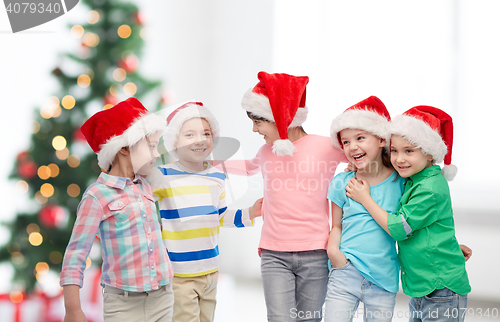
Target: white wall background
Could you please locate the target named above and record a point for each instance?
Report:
(439, 53)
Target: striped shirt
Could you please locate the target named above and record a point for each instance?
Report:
(124, 215)
(193, 207)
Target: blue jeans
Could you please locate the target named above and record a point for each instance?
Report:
(294, 284)
(438, 306)
(347, 287)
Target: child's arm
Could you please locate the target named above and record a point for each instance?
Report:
(239, 167)
(337, 258)
(241, 217)
(256, 209)
(237, 218)
(466, 251)
(84, 233)
(72, 304)
(360, 192)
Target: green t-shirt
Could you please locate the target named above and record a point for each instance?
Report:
(423, 226)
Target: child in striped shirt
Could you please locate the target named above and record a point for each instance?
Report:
(119, 206)
(192, 205)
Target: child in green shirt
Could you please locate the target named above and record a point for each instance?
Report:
(432, 264)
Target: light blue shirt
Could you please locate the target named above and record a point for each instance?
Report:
(369, 248)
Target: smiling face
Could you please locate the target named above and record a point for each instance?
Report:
(361, 148)
(267, 129)
(406, 158)
(144, 154)
(194, 144)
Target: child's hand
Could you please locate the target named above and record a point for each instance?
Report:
(75, 316)
(256, 209)
(350, 167)
(466, 251)
(358, 190)
(338, 259)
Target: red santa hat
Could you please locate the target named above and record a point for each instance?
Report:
(123, 125)
(184, 113)
(369, 115)
(279, 98)
(431, 130)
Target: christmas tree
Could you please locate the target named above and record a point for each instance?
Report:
(59, 164)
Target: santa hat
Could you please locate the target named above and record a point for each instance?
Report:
(123, 125)
(369, 115)
(431, 130)
(279, 98)
(184, 113)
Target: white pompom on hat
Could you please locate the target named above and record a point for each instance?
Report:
(431, 130)
(279, 98)
(123, 125)
(369, 115)
(184, 113)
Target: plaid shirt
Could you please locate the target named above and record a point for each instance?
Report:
(123, 213)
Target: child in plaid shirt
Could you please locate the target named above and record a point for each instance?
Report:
(119, 206)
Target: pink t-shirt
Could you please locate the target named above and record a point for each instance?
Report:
(295, 207)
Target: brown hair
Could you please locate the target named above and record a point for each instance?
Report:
(260, 118)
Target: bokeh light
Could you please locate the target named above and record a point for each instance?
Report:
(77, 31)
(144, 33)
(90, 39)
(36, 127)
(42, 267)
(22, 186)
(35, 239)
(53, 101)
(54, 170)
(39, 198)
(73, 161)
(47, 190)
(59, 142)
(57, 111)
(68, 102)
(119, 74)
(46, 112)
(115, 89)
(92, 17)
(83, 81)
(43, 172)
(130, 89)
(62, 154)
(124, 31)
(16, 297)
(88, 263)
(73, 190)
(32, 228)
(17, 258)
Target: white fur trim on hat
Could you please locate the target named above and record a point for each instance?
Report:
(419, 134)
(449, 171)
(144, 126)
(258, 105)
(189, 112)
(365, 120)
(283, 147)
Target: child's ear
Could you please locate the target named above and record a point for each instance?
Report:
(125, 150)
(383, 142)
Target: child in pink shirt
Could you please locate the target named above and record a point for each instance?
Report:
(297, 168)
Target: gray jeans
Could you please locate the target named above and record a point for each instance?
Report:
(294, 284)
